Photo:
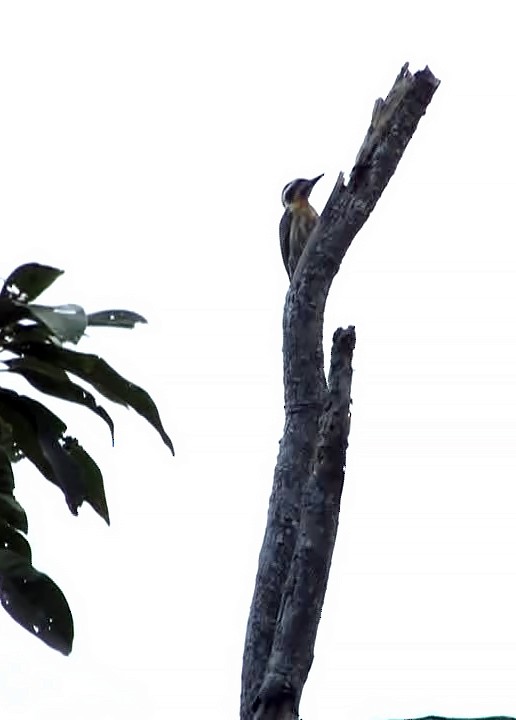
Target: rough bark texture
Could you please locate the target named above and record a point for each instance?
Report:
(304, 506)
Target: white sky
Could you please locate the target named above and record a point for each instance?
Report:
(144, 146)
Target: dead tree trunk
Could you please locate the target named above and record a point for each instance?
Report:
(304, 506)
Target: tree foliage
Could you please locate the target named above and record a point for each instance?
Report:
(33, 342)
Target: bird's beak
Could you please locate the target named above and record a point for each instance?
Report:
(316, 179)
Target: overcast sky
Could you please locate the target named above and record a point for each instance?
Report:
(144, 146)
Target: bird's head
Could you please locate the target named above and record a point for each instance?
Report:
(297, 192)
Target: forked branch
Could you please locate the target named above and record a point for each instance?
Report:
(304, 506)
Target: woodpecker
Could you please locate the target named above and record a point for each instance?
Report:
(298, 221)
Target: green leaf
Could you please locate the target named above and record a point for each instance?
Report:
(11, 311)
(115, 318)
(35, 602)
(102, 377)
(12, 512)
(29, 280)
(6, 471)
(10, 539)
(95, 494)
(66, 322)
(32, 333)
(54, 381)
(24, 434)
(39, 434)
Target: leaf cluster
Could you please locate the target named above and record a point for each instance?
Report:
(33, 340)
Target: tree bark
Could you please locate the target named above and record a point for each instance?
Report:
(304, 506)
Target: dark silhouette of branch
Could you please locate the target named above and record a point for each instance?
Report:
(489, 717)
(304, 506)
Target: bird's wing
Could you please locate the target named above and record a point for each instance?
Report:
(284, 231)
